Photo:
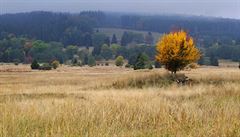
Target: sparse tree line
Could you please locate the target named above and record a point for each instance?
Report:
(138, 54)
(25, 50)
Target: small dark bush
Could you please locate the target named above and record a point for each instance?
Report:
(45, 66)
(157, 64)
(16, 61)
(128, 66)
(152, 80)
(35, 65)
(150, 66)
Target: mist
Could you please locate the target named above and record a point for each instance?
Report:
(215, 8)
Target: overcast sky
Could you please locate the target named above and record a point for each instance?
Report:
(217, 8)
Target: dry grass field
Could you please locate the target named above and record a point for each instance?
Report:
(108, 101)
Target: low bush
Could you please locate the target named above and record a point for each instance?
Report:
(55, 64)
(16, 61)
(35, 65)
(149, 80)
(192, 66)
(152, 80)
(128, 66)
(119, 61)
(45, 66)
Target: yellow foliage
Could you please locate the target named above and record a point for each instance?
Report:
(176, 50)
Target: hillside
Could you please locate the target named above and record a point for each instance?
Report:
(119, 32)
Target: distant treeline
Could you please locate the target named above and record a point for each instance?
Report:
(47, 36)
(74, 28)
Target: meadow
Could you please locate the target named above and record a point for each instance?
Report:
(107, 101)
(119, 32)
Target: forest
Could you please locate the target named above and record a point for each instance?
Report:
(47, 36)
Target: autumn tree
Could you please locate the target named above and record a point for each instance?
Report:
(176, 50)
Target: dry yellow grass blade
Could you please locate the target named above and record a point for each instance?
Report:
(72, 102)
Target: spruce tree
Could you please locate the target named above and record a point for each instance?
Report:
(114, 39)
(35, 65)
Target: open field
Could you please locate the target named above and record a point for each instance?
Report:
(72, 101)
(119, 32)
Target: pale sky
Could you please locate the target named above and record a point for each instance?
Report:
(216, 8)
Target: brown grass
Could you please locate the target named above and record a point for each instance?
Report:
(63, 102)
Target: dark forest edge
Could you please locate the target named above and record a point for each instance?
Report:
(77, 38)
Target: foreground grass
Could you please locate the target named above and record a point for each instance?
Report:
(64, 103)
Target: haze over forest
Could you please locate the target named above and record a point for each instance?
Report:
(215, 8)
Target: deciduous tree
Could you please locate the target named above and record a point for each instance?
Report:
(176, 50)
(119, 61)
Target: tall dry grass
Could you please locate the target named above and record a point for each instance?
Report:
(68, 102)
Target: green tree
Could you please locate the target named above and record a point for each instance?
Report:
(88, 40)
(114, 39)
(149, 39)
(40, 51)
(98, 41)
(141, 62)
(119, 61)
(107, 41)
(71, 51)
(35, 65)
(214, 61)
(125, 39)
(83, 56)
(106, 52)
(91, 61)
(115, 49)
(201, 61)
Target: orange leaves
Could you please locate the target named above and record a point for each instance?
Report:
(176, 50)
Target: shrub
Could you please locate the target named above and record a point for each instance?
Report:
(128, 66)
(214, 61)
(157, 64)
(149, 66)
(119, 61)
(193, 66)
(35, 65)
(55, 64)
(141, 81)
(141, 62)
(91, 61)
(45, 66)
(201, 61)
(16, 61)
(74, 62)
